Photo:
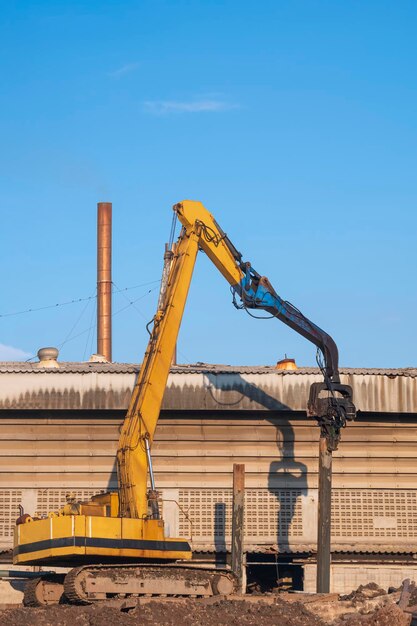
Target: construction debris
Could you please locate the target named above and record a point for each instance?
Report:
(368, 605)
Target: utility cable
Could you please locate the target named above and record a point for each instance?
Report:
(113, 315)
(92, 334)
(95, 326)
(75, 300)
(131, 303)
(77, 320)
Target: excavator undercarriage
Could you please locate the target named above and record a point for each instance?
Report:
(93, 583)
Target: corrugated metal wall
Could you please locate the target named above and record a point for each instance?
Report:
(374, 502)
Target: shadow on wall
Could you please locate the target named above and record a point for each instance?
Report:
(287, 477)
(113, 484)
(220, 532)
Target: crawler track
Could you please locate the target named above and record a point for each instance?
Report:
(43, 591)
(92, 584)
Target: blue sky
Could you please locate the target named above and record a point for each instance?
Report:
(294, 122)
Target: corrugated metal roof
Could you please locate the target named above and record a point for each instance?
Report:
(98, 386)
(68, 367)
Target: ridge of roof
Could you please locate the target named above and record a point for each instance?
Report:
(69, 367)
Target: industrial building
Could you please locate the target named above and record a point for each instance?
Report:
(59, 427)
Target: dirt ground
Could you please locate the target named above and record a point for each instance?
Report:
(194, 613)
(187, 613)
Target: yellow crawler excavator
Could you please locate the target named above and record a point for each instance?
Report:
(115, 543)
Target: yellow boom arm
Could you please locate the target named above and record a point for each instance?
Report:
(199, 230)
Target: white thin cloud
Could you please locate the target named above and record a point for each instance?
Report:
(161, 107)
(10, 353)
(125, 69)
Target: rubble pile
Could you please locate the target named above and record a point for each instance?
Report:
(369, 605)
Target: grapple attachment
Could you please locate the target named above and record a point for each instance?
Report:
(331, 404)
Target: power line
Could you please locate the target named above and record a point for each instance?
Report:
(75, 300)
(131, 303)
(48, 306)
(77, 321)
(113, 315)
(92, 326)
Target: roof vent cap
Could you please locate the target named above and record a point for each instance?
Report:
(286, 364)
(48, 357)
(97, 358)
